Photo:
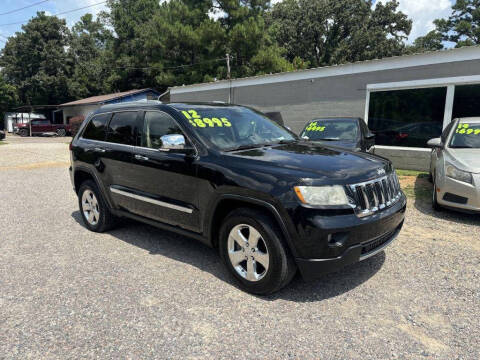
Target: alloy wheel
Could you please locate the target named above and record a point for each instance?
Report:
(248, 252)
(90, 207)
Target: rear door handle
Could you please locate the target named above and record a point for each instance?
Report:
(141, 158)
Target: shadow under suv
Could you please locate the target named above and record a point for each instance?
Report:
(230, 177)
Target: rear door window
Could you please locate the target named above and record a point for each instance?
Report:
(122, 128)
(96, 128)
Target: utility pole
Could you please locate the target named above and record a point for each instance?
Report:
(229, 79)
(228, 67)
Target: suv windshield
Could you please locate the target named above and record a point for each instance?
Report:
(466, 136)
(233, 127)
(331, 129)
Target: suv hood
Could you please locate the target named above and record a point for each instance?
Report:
(346, 144)
(313, 161)
(465, 159)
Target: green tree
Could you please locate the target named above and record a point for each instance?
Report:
(8, 98)
(88, 49)
(253, 49)
(179, 42)
(463, 26)
(326, 32)
(35, 61)
(433, 41)
(129, 56)
(184, 44)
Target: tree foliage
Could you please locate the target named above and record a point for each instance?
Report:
(152, 43)
(325, 32)
(8, 98)
(463, 26)
(433, 41)
(88, 53)
(36, 63)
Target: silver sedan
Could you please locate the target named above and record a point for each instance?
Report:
(455, 166)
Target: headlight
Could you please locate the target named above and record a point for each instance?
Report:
(460, 175)
(322, 195)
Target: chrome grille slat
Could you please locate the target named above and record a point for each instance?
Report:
(365, 197)
(385, 190)
(375, 195)
(380, 194)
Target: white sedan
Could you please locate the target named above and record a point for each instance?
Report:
(455, 166)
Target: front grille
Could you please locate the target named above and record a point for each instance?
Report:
(375, 195)
(374, 244)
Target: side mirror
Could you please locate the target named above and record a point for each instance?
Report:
(435, 143)
(174, 142)
(370, 136)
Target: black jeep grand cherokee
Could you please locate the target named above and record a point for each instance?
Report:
(237, 181)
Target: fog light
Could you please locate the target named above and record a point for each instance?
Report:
(337, 239)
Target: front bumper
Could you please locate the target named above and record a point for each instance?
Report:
(314, 268)
(332, 242)
(456, 194)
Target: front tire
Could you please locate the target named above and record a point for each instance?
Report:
(253, 250)
(95, 213)
(23, 132)
(435, 204)
(61, 132)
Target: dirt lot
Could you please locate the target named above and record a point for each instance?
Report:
(138, 292)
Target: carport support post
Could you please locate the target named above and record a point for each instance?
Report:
(30, 123)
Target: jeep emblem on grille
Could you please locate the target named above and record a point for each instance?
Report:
(381, 171)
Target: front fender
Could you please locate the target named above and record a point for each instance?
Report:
(277, 211)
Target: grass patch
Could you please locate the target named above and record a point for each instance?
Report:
(415, 184)
(415, 173)
(418, 192)
(3, 142)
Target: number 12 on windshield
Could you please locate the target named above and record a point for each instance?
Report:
(197, 121)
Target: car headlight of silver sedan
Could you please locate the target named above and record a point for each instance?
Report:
(322, 195)
(454, 173)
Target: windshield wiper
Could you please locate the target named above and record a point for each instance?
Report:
(284, 142)
(245, 147)
(329, 139)
(256, 146)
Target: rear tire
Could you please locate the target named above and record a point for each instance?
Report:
(23, 132)
(61, 132)
(251, 240)
(95, 212)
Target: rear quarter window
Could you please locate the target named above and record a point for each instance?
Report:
(96, 128)
(121, 129)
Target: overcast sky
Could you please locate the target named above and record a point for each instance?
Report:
(422, 12)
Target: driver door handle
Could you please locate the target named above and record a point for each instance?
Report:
(141, 158)
(100, 150)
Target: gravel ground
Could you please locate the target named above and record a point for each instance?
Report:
(138, 292)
